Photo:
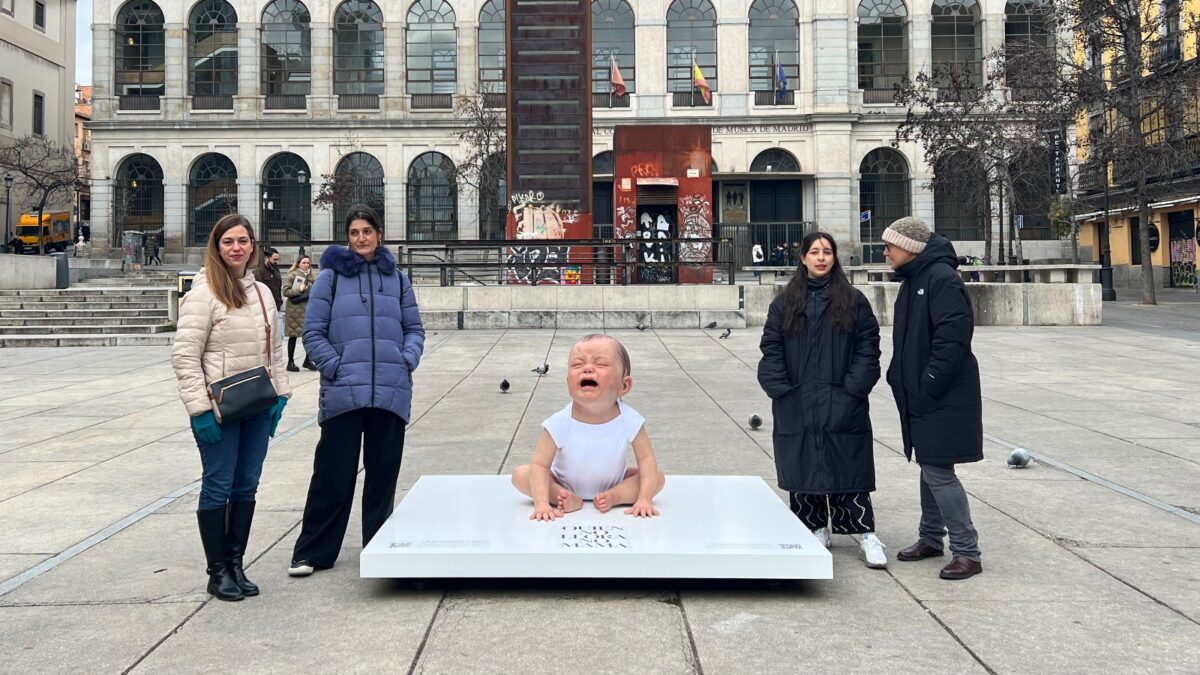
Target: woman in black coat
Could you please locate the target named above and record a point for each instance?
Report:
(820, 361)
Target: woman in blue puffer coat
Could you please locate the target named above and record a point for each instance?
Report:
(363, 331)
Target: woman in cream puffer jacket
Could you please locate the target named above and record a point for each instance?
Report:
(225, 323)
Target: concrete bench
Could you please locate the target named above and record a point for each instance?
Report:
(768, 274)
(1049, 273)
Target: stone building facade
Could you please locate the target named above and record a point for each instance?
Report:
(200, 103)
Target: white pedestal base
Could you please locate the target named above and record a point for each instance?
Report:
(711, 527)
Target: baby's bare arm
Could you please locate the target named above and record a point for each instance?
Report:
(539, 471)
(647, 467)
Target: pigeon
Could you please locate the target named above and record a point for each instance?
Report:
(641, 326)
(711, 325)
(1019, 459)
(504, 386)
(542, 369)
(726, 334)
(755, 421)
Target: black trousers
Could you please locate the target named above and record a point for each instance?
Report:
(848, 513)
(335, 469)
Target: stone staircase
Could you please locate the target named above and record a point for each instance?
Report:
(118, 311)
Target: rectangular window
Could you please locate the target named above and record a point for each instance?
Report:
(39, 114)
(6, 6)
(6, 103)
(39, 15)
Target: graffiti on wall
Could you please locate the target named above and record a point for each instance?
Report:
(536, 264)
(696, 213)
(655, 223)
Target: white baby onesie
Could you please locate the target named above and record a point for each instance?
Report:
(591, 457)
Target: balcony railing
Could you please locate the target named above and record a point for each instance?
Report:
(1091, 176)
(432, 101)
(769, 97)
(358, 101)
(138, 102)
(687, 99)
(877, 96)
(1168, 50)
(493, 99)
(285, 102)
(212, 102)
(604, 100)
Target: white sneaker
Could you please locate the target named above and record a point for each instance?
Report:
(300, 568)
(822, 535)
(872, 551)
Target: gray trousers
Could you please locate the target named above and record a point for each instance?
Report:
(944, 508)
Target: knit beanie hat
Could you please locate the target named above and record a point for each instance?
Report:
(908, 233)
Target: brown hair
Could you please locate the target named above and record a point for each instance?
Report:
(621, 351)
(228, 290)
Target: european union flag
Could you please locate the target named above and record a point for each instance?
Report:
(864, 216)
(780, 84)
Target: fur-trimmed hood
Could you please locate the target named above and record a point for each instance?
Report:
(347, 263)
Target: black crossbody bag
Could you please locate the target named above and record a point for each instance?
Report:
(250, 392)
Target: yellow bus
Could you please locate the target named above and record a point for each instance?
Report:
(56, 230)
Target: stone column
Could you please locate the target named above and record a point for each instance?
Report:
(396, 220)
(321, 101)
(651, 99)
(175, 102)
(468, 57)
(247, 103)
(834, 199)
(103, 102)
(395, 99)
(102, 214)
(468, 212)
(920, 51)
(733, 65)
(830, 84)
(175, 217)
(250, 202)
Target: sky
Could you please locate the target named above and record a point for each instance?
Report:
(83, 42)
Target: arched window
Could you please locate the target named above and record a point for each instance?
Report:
(774, 160)
(956, 41)
(432, 198)
(358, 179)
(691, 41)
(960, 196)
(1033, 189)
(603, 164)
(358, 54)
(493, 207)
(432, 54)
(492, 53)
(137, 196)
(286, 54)
(286, 200)
(213, 45)
(212, 193)
(140, 55)
(612, 41)
(882, 49)
(774, 47)
(1027, 39)
(883, 197)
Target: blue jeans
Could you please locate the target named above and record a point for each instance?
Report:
(233, 465)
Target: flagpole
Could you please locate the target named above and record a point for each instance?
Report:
(694, 85)
(775, 78)
(611, 86)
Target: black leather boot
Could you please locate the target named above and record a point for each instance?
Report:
(221, 584)
(241, 515)
(291, 367)
(309, 364)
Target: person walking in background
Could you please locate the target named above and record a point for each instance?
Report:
(296, 286)
(267, 273)
(363, 331)
(224, 329)
(820, 360)
(152, 249)
(935, 380)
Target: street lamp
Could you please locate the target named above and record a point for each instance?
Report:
(302, 179)
(8, 181)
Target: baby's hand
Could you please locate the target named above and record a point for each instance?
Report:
(642, 508)
(545, 512)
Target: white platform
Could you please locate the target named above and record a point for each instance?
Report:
(711, 527)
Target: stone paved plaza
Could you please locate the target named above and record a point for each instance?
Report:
(1090, 556)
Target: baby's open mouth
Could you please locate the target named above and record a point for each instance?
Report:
(588, 383)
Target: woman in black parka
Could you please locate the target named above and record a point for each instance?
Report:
(820, 361)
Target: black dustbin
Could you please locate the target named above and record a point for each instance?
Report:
(62, 273)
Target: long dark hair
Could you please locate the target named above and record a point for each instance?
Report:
(842, 309)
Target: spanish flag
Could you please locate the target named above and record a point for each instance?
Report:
(700, 83)
(614, 77)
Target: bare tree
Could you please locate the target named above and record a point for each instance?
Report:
(338, 189)
(484, 144)
(1129, 80)
(45, 172)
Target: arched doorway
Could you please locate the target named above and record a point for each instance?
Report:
(137, 197)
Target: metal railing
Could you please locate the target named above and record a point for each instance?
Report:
(609, 261)
(358, 101)
(768, 97)
(687, 99)
(214, 102)
(771, 236)
(876, 96)
(138, 102)
(607, 100)
(285, 102)
(432, 101)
